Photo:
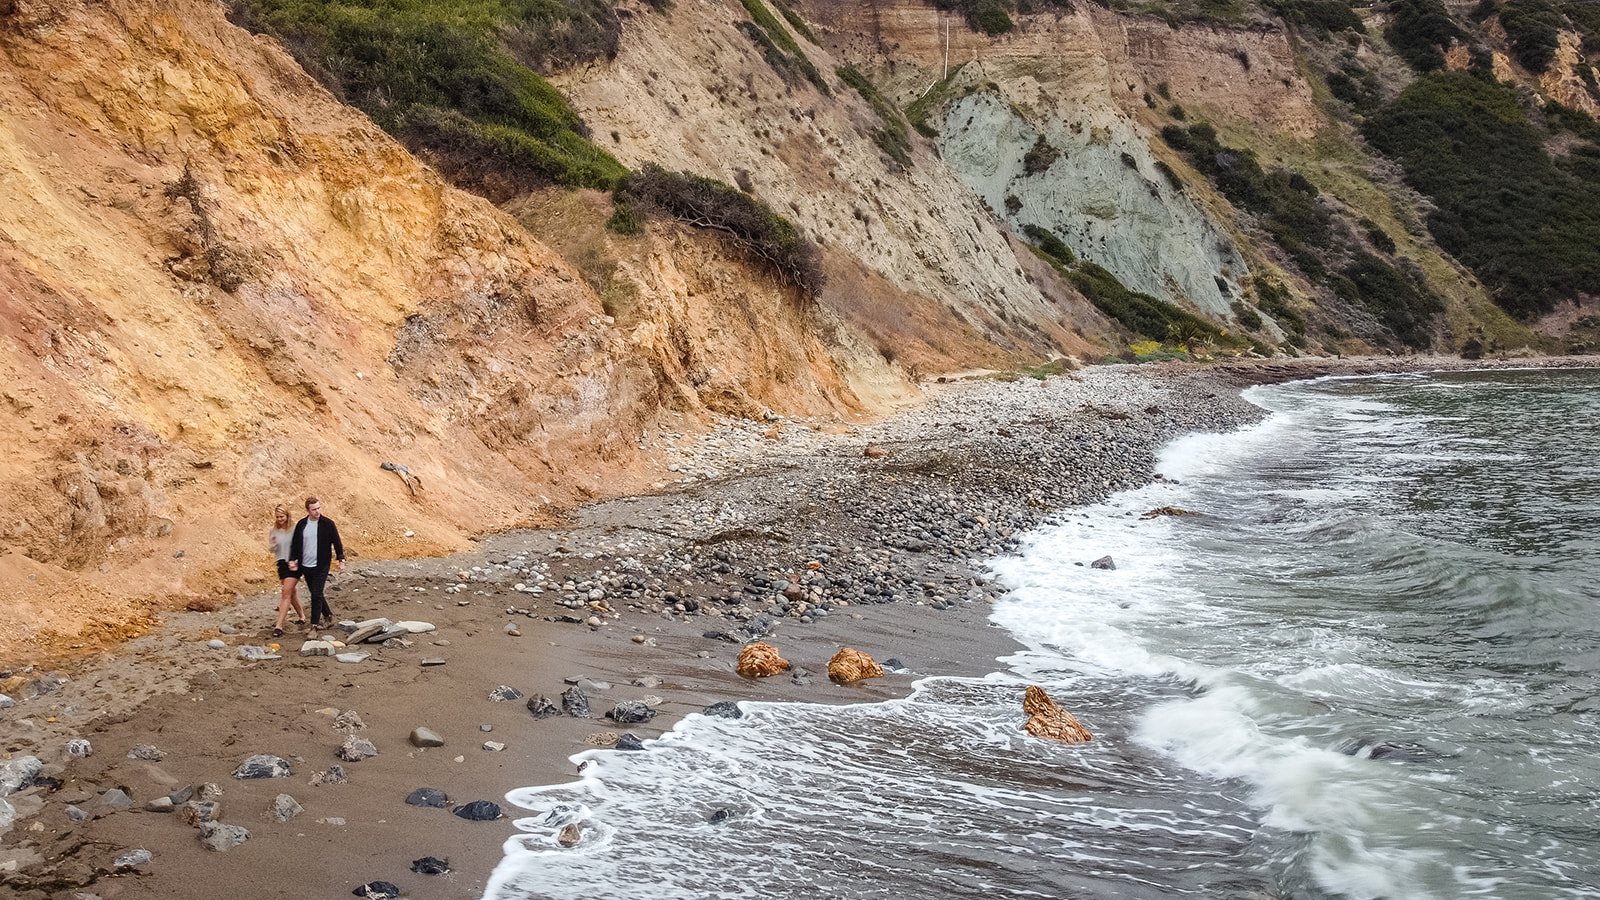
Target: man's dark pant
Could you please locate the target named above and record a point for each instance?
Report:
(316, 579)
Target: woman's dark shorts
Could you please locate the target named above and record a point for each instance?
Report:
(283, 570)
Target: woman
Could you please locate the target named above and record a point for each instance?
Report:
(278, 542)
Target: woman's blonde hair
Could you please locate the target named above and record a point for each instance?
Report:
(277, 510)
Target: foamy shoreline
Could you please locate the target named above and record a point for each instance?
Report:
(964, 475)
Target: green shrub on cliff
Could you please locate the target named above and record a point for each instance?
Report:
(1322, 17)
(1405, 306)
(711, 204)
(1138, 312)
(891, 138)
(1285, 202)
(1527, 228)
(989, 17)
(785, 43)
(1052, 247)
(1534, 29)
(1420, 31)
(455, 80)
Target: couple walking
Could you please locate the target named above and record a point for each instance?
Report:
(306, 551)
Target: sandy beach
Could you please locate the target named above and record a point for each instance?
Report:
(804, 540)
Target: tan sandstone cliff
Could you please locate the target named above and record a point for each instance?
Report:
(221, 290)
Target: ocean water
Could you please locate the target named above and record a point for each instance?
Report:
(1370, 668)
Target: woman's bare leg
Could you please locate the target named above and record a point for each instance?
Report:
(289, 597)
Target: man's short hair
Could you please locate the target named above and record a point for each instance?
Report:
(311, 500)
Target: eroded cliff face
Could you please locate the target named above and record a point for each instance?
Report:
(220, 290)
(1103, 196)
(1077, 81)
(921, 265)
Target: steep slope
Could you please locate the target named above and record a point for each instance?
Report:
(1222, 165)
(222, 290)
(914, 259)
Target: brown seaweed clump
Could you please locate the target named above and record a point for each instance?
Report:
(852, 665)
(759, 660)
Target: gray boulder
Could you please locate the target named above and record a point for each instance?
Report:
(131, 859)
(220, 837)
(18, 774)
(479, 811)
(284, 808)
(631, 712)
(575, 702)
(356, 749)
(262, 766)
(428, 797)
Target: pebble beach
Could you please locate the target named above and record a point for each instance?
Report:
(201, 758)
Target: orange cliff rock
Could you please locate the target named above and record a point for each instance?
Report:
(221, 290)
(852, 665)
(1051, 721)
(759, 660)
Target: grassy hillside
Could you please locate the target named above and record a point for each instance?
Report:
(458, 81)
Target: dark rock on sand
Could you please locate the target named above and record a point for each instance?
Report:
(431, 865)
(479, 811)
(629, 742)
(334, 775)
(542, 707)
(631, 712)
(18, 774)
(1103, 562)
(262, 766)
(575, 703)
(284, 808)
(377, 890)
(219, 837)
(349, 721)
(720, 816)
(131, 859)
(355, 749)
(504, 693)
(726, 709)
(428, 797)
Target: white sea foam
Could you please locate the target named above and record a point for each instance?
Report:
(1289, 688)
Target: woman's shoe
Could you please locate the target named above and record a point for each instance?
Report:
(277, 632)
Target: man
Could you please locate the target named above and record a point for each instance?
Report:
(312, 549)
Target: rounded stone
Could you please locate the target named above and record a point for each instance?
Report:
(426, 737)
